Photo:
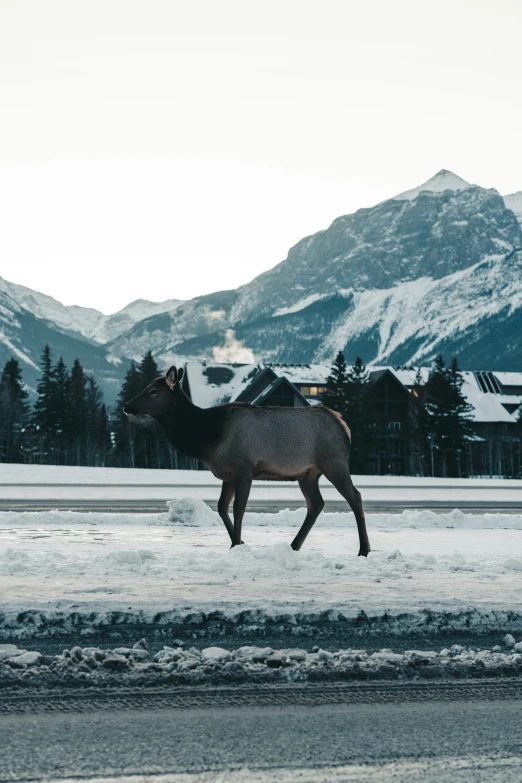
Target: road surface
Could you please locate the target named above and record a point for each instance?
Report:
(457, 732)
(264, 498)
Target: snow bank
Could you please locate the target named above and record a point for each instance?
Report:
(64, 570)
(134, 665)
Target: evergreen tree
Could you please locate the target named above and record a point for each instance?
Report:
(336, 385)
(77, 426)
(448, 416)
(418, 444)
(148, 370)
(358, 417)
(98, 445)
(126, 435)
(14, 414)
(44, 418)
(62, 403)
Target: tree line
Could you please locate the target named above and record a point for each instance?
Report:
(434, 438)
(69, 423)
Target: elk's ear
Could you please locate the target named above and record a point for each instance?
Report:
(171, 377)
(181, 373)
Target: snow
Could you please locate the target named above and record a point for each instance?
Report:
(411, 312)
(206, 394)
(311, 374)
(300, 305)
(65, 568)
(89, 322)
(514, 202)
(509, 378)
(443, 180)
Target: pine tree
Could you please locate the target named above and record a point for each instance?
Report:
(14, 414)
(98, 446)
(358, 417)
(148, 369)
(77, 426)
(448, 416)
(336, 385)
(62, 402)
(460, 416)
(126, 435)
(44, 418)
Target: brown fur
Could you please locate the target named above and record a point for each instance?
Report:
(241, 442)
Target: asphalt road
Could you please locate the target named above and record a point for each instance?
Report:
(268, 505)
(452, 736)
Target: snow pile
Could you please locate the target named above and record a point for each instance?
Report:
(215, 665)
(191, 512)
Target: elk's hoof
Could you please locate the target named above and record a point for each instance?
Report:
(363, 553)
(233, 545)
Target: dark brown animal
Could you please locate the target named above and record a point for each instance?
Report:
(241, 442)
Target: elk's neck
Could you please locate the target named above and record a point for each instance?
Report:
(184, 426)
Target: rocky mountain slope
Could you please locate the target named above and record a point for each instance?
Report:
(438, 268)
(85, 321)
(29, 320)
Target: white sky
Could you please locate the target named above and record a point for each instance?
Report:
(171, 148)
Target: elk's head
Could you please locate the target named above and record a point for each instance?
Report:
(158, 397)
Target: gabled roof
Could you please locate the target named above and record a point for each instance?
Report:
(260, 380)
(273, 387)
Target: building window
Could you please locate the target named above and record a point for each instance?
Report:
(394, 426)
(305, 390)
(313, 391)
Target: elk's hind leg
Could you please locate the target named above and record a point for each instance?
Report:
(227, 493)
(342, 481)
(309, 485)
(242, 485)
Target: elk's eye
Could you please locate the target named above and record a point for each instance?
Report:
(152, 393)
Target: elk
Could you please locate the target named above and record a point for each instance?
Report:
(241, 442)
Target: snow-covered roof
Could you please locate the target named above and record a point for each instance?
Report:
(315, 374)
(509, 378)
(406, 375)
(443, 180)
(205, 393)
(487, 407)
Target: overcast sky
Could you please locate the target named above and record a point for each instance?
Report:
(164, 149)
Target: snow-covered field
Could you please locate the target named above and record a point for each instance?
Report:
(67, 571)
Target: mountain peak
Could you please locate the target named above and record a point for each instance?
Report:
(443, 180)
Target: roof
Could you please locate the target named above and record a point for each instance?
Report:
(273, 386)
(310, 374)
(509, 378)
(487, 406)
(205, 393)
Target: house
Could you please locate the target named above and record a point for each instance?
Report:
(495, 398)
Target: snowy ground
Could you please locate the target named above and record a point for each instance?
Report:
(65, 571)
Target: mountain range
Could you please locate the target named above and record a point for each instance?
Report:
(434, 269)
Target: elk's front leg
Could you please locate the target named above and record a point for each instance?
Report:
(242, 484)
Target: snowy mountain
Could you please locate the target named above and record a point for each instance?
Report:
(514, 202)
(29, 320)
(437, 268)
(86, 321)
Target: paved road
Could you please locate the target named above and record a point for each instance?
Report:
(454, 735)
(157, 505)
